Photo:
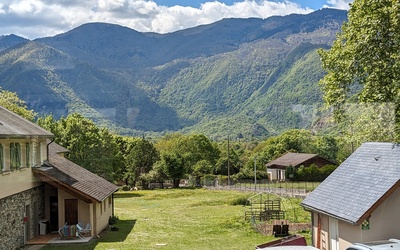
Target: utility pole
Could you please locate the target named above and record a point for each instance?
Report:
(229, 174)
(255, 172)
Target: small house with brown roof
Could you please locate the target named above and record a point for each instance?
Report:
(39, 186)
(359, 201)
(82, 195)
(276, 169)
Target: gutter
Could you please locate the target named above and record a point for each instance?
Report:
(47, 148)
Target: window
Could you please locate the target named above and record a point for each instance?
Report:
(15, 156)
(28, 154)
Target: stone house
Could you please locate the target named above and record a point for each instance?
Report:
(359, 201)
(37, 185)
(276, 169)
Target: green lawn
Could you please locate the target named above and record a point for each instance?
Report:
(180, 219)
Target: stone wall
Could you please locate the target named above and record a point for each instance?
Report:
(12, 213)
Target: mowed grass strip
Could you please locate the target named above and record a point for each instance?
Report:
(178, 219)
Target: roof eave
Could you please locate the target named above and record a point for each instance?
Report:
(55, 182)
(108, 195)
(18, 136)
(313, 209)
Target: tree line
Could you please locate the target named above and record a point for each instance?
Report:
(139, 161)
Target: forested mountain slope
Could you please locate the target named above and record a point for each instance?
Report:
(236, 76)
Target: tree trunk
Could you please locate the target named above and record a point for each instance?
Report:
(176, 183)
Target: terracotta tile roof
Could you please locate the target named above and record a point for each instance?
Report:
(74, 178)
(291, 159)
(359, 184)
(15, 126)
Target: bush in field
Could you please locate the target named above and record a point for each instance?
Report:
(311, 173)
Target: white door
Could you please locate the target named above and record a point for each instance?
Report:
(333, 234)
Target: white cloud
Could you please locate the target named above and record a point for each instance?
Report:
(339, 4)
(38, 18)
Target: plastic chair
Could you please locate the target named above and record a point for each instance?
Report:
(87, 229)
(79, 231)
(61, 230)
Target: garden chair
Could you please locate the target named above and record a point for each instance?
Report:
(79, 232)
(61, 230)
(87, 229)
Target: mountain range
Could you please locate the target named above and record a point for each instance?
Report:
(239, 77)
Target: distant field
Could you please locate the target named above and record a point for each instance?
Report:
(176, 219)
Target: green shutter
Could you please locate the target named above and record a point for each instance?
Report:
(18, 155)
(12, 156)
(28, 154)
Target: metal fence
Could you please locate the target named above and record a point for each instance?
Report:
(282, 188)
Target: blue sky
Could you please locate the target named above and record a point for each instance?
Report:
(39, 18)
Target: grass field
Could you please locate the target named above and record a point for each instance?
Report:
(182, 219)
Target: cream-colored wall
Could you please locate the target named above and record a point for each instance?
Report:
(324, 237)
(15, 181)
(83, 208)
(384, 224)
(273, 173)
(103, 213)
(93, 213)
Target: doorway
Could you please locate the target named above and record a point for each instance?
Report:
(54, 213)
(27, 221)
(71, 211)
(334, 234)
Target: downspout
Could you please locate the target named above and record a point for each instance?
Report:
(112, 205)
(47, 148)
(319, 232)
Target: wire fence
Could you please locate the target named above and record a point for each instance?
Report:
(282, 188)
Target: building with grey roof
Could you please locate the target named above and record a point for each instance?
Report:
(360, 200)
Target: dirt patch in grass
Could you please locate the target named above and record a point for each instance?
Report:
(266, 228)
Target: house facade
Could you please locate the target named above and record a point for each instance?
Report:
(359, 201)
(39, 185)
(277, 168)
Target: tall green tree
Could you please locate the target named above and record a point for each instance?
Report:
(90, 147)
(295, 140)
(199, 153)
(12, 102)
(140, 158)
(363, 63)
(174, 166)
(196, 152)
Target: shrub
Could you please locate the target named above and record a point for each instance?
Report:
(112, 220)
(239, 201)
